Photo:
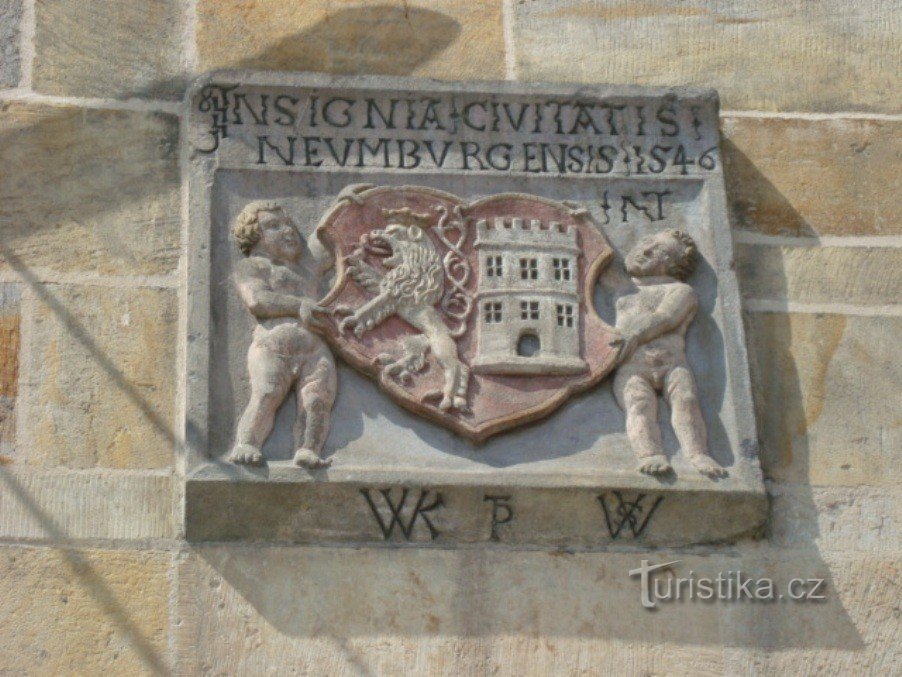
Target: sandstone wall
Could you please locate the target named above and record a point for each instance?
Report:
(94, 576)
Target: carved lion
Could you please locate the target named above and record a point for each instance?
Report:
(410, 288)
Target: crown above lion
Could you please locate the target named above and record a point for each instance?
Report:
(407, 217)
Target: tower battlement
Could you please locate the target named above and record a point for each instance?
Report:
(505, 231)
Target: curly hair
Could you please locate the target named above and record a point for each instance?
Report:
(684, 266)
(246, 230)
(419, 276)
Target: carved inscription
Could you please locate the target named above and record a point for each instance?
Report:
(644, 206)
(472, 132)
(502, 513)
(402, 514)
(399, 509)
(482, 253)
(634, 514)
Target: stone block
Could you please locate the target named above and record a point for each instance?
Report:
(822, 385)
(850, 275)
(10, 30)
(853, 630)
(772, 55)
(94, 190)
(404, 611)
(836, 519)
(62, 505)
(10, 341)
(98, 383)
(69, 611)
(426, 459)
(243, 609)
(441, 39)
(107, 48)
(808, 178)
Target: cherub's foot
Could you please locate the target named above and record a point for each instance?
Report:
(708, 466)
(310, 459)
(655, 465)
(246, 454)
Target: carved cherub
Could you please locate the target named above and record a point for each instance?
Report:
(652, 359)
(276, 282)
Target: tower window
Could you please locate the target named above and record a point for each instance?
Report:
(529, 310)
(564, 315)
(492, 312)
(561, 269)
(493, 266)
(529, 269)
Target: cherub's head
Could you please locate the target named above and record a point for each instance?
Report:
(670, 252)
(263, 228)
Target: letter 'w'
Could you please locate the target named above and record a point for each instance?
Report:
(397, 511)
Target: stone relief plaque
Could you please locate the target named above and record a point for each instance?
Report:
(460, 313)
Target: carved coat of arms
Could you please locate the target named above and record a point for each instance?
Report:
(477, 315)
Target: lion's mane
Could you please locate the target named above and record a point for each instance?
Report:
(418, 277)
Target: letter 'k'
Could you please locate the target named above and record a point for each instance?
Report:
(420, 509)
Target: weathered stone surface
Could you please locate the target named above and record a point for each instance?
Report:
(806, 178)
(842, 55)
(83, 611)
(853, 275)
(403, 611)
(823, 389)
(574, 478)
(836, 519)
(442, 39)
(565, 511)
(10, 342)
(98, 385)
(487, 612)
(114, 203)
(62, 505)
(854, 630)
(107, 48)
(10, 29)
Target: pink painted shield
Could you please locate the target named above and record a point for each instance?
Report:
(476, 315)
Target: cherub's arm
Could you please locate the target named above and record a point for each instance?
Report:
(257, 294)
(321, 255)
(678, 306)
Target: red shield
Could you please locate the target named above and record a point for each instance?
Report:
(476, 315)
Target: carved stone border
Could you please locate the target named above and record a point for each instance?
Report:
(283, 504)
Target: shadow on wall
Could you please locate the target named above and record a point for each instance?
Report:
(317, 591)
(760, 201)
(84, 177)
(92, 170)
(379, 40)
(349, 593)
(79, 566)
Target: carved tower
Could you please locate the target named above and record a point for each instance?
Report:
(528, 298)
